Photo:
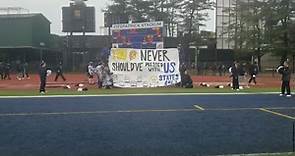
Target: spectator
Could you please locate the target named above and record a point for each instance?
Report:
(25, 73)
(253, 71)
(234, 70)
(90, 72)
(186, 81)
(19, 72)
(286, 76)
(107, 80)
(99, 70)
(7, 71)
(43, 74)
(1, 71)
(221, 69)
(182, 68)
(59, 72)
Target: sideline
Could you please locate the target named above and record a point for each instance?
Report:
(95, 112)
(126, 95)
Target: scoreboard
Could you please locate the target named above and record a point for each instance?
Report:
(78, 19)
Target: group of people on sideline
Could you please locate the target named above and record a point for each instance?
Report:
(236, 70)
(5, 71)
(45, 71)
(100, 75)
(20, 68)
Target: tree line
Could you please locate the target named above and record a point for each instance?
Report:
(256, 26)
(263, 26)
(179, 16)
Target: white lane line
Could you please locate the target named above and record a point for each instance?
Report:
(196, 107)
(231, 109)
(199, 107)
(124, 95)
(276, 113)
(94, 112)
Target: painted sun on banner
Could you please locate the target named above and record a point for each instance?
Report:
(137, 68)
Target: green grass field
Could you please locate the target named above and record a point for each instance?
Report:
(94, 91)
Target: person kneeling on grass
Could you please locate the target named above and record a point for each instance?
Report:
(286, 76)
(186, 81)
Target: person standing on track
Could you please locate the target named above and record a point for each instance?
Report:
(43, 75)
(286, 76)
(59, 72)
(7, 71)
(90, 73)
(1, 71)
(25, 73)
(235, 72)
(253, 71)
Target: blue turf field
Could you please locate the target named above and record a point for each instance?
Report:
(146, 125)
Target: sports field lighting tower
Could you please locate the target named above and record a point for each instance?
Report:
(78, 18)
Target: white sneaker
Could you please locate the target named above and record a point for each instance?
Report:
(281, 94)
(289, 95)
(42, 92)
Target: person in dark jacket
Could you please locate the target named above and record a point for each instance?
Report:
(43, 75)
(25, 73)
(253, 71)
(7, 71)
(286, 76)
(186, 81)
(235, 72)
(59, 72)
(1, 71)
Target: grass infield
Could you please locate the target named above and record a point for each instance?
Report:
(94, 91)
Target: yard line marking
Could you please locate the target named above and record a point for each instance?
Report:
(199, 107)
(278, 114)
(95, 112)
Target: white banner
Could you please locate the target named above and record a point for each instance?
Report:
(137, 68)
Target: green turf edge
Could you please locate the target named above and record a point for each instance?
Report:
(94, 91)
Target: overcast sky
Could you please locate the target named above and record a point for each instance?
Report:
(51, 9)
